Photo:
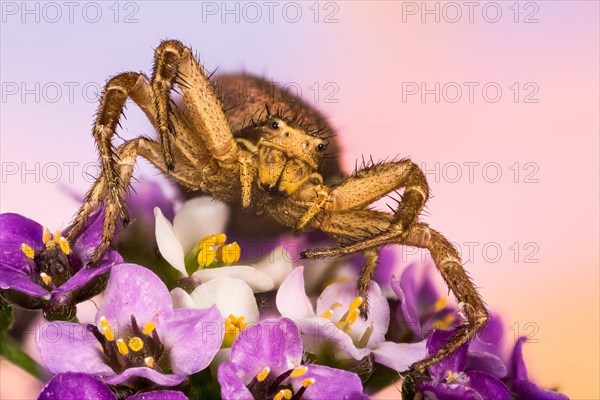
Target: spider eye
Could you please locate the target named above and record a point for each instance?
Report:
(320, 146)
(287, 134)
(275, 125)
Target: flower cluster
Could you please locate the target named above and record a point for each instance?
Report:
(204, 321)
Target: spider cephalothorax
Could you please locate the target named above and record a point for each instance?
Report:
(271, 167)
(287, 156)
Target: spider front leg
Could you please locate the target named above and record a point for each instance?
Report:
(359, 191)
(358, 225)
(126, 154)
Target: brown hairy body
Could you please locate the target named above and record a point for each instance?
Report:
(267, 154)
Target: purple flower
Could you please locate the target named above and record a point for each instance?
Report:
(520, 384)
(137, 335)
(421, 307)
(266, 363)
(40, 269)
(77, 386)
(337, 321)
(449, 380)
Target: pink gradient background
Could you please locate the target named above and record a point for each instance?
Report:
(369, 53)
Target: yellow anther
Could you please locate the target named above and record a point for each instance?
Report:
(335, 305)
(219, 238)
(136, 344)
(440, 304)
(122, 347)
(47, 279)
(233, 327)
(263, 374)
(299, 371)
(28, 251)
(46, 235)
(364, 339)
(308, 381)
(149, 361)
(357, 302)
(104, 323)
(57, 236)
(108, 334)
(327, 314)
(230, 253)
(450, 376)
(283, 394)
(206, 255)
(148, 328)
(64, 245)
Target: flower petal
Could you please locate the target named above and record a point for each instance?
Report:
(319, 334)
(518, 370)
(399, 356)
(277, 264)
(445, 391)
(230, 295)
(330, 383)
(198, 218)
(133, 290)
(344, 293)
(271, 343)
(181, 299)
(407, 305)
(192, 337)
(291, 299)
(89, 239)
(20, 282)
(529, 390)
(76, 386)
(133, 374)
(232, 386)
(455, 362)
(485, 362)
(258, 281)
(69, 347)
(487, 386)
(15, 230)
(159, 395)
(167, 242)
(84, 276)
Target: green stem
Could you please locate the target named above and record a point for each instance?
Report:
(11, 351)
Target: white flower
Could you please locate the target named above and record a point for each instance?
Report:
(202, 217)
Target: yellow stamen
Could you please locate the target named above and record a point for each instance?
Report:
(451, 376)
(353, 316)
(327, 314)
(308, 381)
(64, 245)
(47, 279)
(283, 394)
(122, 347)
(28, 251)
(136, 344)
(108, 334)
(233, 327)
(148, 328)
(364, 339)
(46, 235)
(357, 302)
(219, 238)
(149, 361)
(57, 236)
(301, 370)
(440, 304)
(263, 374)
(207, 254)
(230, 253)
(104, 323)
